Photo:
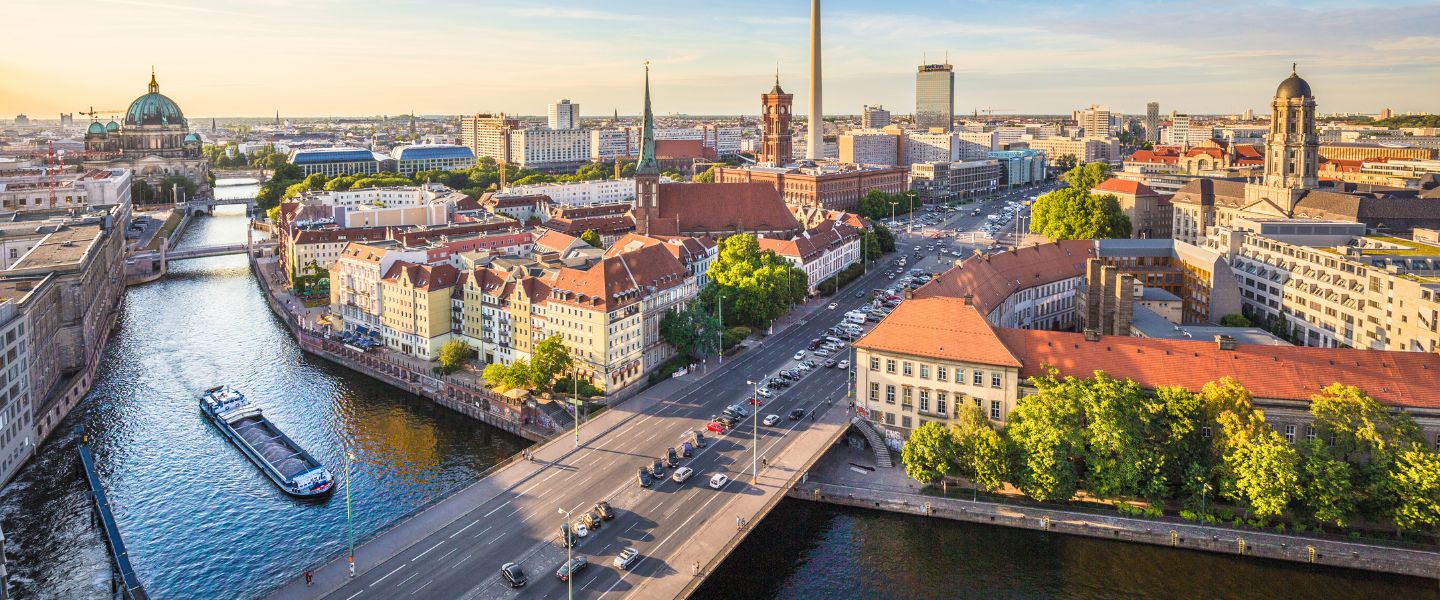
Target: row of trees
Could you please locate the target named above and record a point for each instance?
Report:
(1114, 440)
(547, 362)
(877, 205)
(756, 286)
(1074, 213)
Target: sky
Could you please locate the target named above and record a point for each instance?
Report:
(439, 57)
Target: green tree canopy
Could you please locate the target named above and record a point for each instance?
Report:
(453, 355)
(929, 454)
(550, 358)
(756, 286)
(1266, 474)
(592, 238)
(1415, 484)
(693, 330)
(980, 451)
(516, 375)
(1326, 485)
(1073, 213)
(1047, 430)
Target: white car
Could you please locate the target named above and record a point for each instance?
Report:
(681, 474)
(771, 420)
(844, 364)
(719, 480)
(580, 529)
(799, 355)
(764, 393)
(626, 558)
(833, 306)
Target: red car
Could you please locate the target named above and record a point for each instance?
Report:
(715, 426)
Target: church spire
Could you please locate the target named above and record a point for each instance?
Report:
(154, 87)
(647, 164)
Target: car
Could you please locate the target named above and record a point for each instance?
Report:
(833, 305)
(700, 440)
(830, 363)
(823, 351)
(602, 509)
(591, 521)
(718, 480)
(844, 364)
(567, 538)
(764, 393)
(796, 414)
(716, 427)
(626, 558)
(804, 366)
(682, 474)
(580, 529)
(512, 574)
(657, 468)
(799, 355)
(859, 294)
(671, 459)
(771, 420)
(645, 479)
(575, 565)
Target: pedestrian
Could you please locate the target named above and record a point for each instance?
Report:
(352, 566)
(309, 577)
(695, 568)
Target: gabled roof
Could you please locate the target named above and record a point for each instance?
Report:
(942, 327)
(366, 253)
(554, 241)
(1294, 373)
(1123, 186)
(687, 208)
(993, 278)
(422, 277)
(618, 281)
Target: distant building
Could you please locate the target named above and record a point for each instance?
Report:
(1371, 151)
(776, 141)
(935, 97)
(154, 141)
(874, 117)
(955, 181)
(1385, 114)
(1023, 167)
(1095, 120)
(22, 120)
(428, 157)
(580, 193)
(564, 115)
(550, 148)
(871, 147)
(1084, 150)
(1152, 122)
(1148, 210)
(830, 186)
(488, 135)
(331, 162)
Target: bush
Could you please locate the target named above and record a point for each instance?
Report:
(586, 389)
(1189, 515)
(1225, 514)
(1154, 511)
(669, 368)
(1235, 320)
(733, 336)
(1280, 527)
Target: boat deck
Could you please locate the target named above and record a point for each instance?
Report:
(286, 459)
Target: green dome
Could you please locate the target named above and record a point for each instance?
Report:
(192, 137)
(154, 109)
(112, 127)
(95, 129)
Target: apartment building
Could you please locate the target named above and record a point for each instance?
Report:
(821, 251)
(415, 307)
(870, 147)
(582, 193)
(1031, 287)
(950, 181)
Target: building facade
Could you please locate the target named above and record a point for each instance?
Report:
(333, 162)
(563, 115)
(955, 181)
(432, 157)
(874, 117)
(935, 97)
(776, 141)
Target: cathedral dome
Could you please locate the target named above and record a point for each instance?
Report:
(1293, 87)
(112, 127)
(95, 129)
(192, 137)
(154, 108)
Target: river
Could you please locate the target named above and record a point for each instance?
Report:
(202, 522)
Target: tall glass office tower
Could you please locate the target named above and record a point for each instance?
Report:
(935, 97)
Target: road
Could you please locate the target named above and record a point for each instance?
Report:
(521, 524)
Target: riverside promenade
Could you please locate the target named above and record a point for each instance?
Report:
(848, 477)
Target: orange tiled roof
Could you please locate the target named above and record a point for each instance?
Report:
(991, 279)
(619, 280)
(423, 277)
(940, 327)
(1122, 186)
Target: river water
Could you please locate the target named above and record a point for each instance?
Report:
(201, 521)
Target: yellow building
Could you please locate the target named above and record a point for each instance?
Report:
(415, 307)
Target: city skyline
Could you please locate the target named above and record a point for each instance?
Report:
(380, 59)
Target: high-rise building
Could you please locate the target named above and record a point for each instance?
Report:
(564, 115)
(1095, 120)
(775, 138)
(815, 141)
(1152, 122)
(935, 96)
(488, 135)
(1385, 113)
(874, 117)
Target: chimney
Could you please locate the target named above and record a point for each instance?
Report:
(909, 293)
(1092, 335)
(969, 299)
(1225, 342)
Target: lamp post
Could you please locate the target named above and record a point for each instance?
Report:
(720, 332)
(892, 210)
(755, 433)
(349, 528)
(1203, 490)
(569, 559)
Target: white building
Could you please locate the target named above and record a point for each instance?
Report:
(549, 148)
(874, 117)
(1096, 121)
(430, 157)
(870, 147)
(564, 115)
(94, 187)
(582, 193)
(821, 252)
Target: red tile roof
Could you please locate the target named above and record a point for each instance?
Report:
(423, 277)
(1295, 373)
(1122, 186)
(618, 280)
(992, 279)
(673, 149)
(944, 328)
(701, 208)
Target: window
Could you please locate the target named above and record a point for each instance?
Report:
(995, 409)
(977, 403)
(908, 369)
(874, 363)
(905, 422)
(940, 404)
(994, 380)
(875, 391)
(889, 418)
(925, 401)
(889, 394)
(1309, 433)
(1205, 432)
(905, 396)
(941, 373)
(1290, 434)
(889, 365)
(979, 378)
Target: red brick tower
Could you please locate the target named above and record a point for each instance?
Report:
(775, 138)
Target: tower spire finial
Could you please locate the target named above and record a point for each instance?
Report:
(154, 87)
(647, 164)
(1292, 67)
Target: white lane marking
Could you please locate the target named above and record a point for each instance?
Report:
(427, 551)
(442, 556)
(462, 529)
(422, 586)
(382, 577)
(492, 511)
(412, 576)
(352, 596)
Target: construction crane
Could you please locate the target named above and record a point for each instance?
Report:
(92, 113)
(53, 162)
(990, 113)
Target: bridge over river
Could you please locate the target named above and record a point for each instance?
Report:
(454, 549)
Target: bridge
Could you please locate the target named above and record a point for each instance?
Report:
(455, 547)
(201, 251)
(207, 205)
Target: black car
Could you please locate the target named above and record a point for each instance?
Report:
(645, 479)
(671, 458)
(602, 509)
(567, 537)
(513, 575)
(575, 565)
(795, 415)
(657, 469)
(700, 440)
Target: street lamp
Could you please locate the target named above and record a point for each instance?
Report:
(755, 433)
(349, 528)
(569, 559)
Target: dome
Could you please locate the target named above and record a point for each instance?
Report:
(192, 137)
(1293, 87)
(154, 108)
(112, 127)
(95, 129)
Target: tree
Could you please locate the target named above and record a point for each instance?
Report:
(1173, 428)
(1046, 429)
(1065, 162)
(453, 355)
(171, 183)
(1326, 485)
(550, 358)
(692, 330)
(1358, 424)
(1235, 320)
(516, 375)
(1266, 472)
(929, 455)
(273, 214)
(1073, 213)
(756, 286)
(980, 452)
(592, 238)
(871, 245)
(1119, 459)
(1415, 484)
(883, 237)
(707, 177)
